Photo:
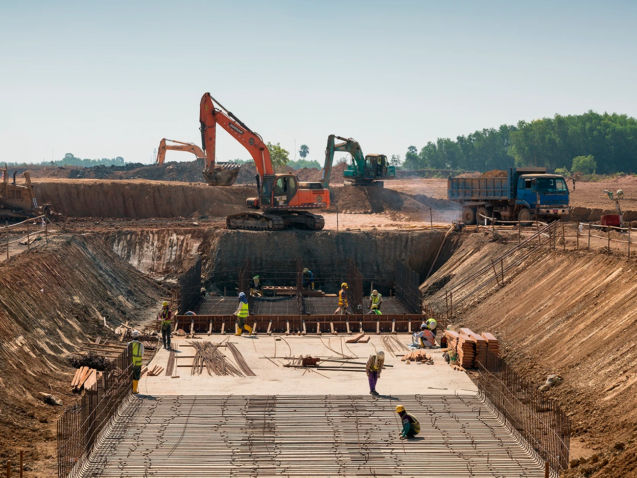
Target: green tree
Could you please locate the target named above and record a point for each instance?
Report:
(584, 164)
(412, 161)
(304, 151)
(278, 155)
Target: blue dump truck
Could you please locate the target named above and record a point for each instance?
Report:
(518, 194)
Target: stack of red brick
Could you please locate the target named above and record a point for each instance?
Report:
(470, 347)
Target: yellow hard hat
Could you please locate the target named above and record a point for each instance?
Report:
(400, 408)
(165, 304)
(374, 292)
(344, 284)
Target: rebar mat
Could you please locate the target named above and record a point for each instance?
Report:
(332, 435)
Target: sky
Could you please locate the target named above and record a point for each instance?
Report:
(107, 79)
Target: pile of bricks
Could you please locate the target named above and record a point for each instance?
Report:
(470, 347)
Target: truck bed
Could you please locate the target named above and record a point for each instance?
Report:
(478, 189)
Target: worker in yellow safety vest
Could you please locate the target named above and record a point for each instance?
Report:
(242, 314)
(342, 300)
(375, 299)
(411, 426)
(136, 349)
(166, 331)
(374, 367)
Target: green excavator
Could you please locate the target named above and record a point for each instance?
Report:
(368, 170)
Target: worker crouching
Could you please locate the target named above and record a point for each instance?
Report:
(136, 349)
(425, 338)
(374, 367)
(411, 426)
(242, 314)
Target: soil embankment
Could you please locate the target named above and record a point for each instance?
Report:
(568, 313)
(51, 299)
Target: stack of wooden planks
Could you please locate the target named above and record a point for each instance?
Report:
(464, 346)
(481, 345)
(492, 342)
(85, 378)
(156, 370)
(418, 356)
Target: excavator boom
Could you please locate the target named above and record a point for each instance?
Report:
(209, 117)
(178, 146)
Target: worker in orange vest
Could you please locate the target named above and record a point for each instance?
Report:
(342, 300)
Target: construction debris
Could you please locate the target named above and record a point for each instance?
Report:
(91, 360)
(85, 378)
(156, 370)
(418, 356)
(208, 356)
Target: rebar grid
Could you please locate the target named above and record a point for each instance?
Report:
(344, 436)
(538, 419)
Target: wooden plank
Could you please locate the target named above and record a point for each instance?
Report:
(378, 326)
(304, 328)
(347, 326)
(364, 340)
(209, 326)
(254, 329)
(332, 327)
(287, 327)
(354, 339)
(318, 328)
(393, 326)
(270, 327)
(223, 328)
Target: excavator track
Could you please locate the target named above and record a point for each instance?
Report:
(254, 221)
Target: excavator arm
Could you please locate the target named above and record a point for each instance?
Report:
(348, 145)
(209, 117)
(178, 146)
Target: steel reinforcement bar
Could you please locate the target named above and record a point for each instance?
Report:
(304, 324)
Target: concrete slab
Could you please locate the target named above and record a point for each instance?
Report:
(275, 379)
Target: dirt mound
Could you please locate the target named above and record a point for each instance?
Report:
(494, 173)
(51, 299)
(570, 314)
(139, 199)
(315, 175)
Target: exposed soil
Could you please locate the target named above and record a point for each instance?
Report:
(51, 299)
(571, 314)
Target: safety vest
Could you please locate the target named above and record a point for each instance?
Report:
(165, 317)
(414, 422)
(137, 353)
(342, 298)
(374, 367)
(376, 299)
(243, 313)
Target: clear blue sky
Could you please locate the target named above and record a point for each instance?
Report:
(106, 79)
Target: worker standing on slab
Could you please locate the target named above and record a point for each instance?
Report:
(375, 299)
(242, 314)
(308, 279)
(411, 426)
(424, 338)
(342, 301)
(374, 367)
(166, 331)
(136, 349)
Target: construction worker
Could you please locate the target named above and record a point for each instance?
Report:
(242, 315)
(373, 368)
(256, 286)
(375, 299)
(166, 331)
(424, 338)
(342, 301)
(308, 279)
(374, 310)
(137, 354)
(411, 427)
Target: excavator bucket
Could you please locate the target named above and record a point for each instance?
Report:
(223, 174)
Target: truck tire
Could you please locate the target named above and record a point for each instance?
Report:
(483, 211)
(469, 216)
(523, 216)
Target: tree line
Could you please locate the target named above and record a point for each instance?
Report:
(71, 160)
(605, 143)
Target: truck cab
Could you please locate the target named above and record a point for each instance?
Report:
(544, 194)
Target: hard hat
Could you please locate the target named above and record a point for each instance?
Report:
(400, 408)
(374, 292)
(344, 284)
(381, 354)
(135, 334)
(423, 326)
(431, 324)
(256, 277)
(241, 294)
(306, 270)
(164, 304)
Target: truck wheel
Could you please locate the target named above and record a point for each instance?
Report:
(483, 211)
(523, 216)
(469, 216)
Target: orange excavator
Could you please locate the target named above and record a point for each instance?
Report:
(283, 199)
(178, 146)
(224, 174)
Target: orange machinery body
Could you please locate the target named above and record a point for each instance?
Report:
(281, 195)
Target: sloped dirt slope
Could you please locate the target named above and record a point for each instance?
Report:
(51, 299)
(573, 314)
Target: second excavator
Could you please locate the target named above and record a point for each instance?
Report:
(282, 199)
